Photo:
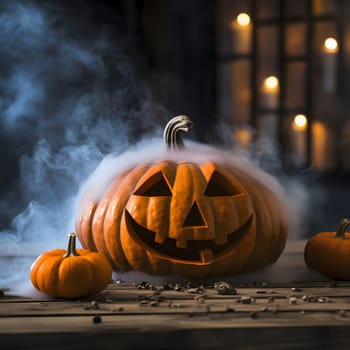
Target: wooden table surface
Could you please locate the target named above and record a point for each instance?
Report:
(266, 311)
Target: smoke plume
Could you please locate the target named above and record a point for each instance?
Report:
(69, 96)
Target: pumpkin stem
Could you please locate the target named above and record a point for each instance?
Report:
(342, 227)
(172, 136)
(71, 250)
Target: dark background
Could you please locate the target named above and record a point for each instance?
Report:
(163, 56)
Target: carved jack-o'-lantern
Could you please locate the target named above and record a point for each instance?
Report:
(183, 218)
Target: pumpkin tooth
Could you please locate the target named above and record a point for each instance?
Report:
(159, 239)
(206, 255)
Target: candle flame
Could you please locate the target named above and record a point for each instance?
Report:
(331, 45)
(243, 19)
(271, 83)
(300, 121)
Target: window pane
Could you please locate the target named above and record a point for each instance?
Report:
(295, 8)
(296, 86)
(234, 91)
(295, 39)
(324, 7)
(267, 9)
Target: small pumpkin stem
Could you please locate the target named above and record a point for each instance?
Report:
(342, 227)
(71, 249)
(172, 135)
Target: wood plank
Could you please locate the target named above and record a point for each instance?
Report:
(196, 314)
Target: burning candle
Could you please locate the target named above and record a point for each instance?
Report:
(268, 124)
(322, 146)
(330, 48)
(270, 90)
(299, 131)
(241, 30)
(300, 122)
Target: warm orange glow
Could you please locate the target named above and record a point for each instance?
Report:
(331, 45)
(243, 19)
(271, 83)
(243, 136)
(300, 121)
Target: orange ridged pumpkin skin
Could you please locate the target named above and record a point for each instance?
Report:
(183, 218)
(329, 254)
(71, 276)
(231, 221)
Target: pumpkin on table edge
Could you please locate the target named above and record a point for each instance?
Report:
(71, 273)
(183, 218)
(329, 252)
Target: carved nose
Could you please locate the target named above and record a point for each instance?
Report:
(194, 217)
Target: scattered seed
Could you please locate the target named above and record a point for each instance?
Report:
(178, 287)
(198, 290)
(119, 281)
(200, 298)
(253, 315)
(312, 299)
(94, 305)
(177, 306)
(246, 300)
(224, 288)
(292, 300)
(145, 285)
(97, 319)
(228, 308)
(342, 313)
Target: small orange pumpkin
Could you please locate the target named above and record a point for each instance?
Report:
(329, 252)
(184, 218)
(70, 274)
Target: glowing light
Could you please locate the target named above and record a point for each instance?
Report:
(300, 121)
(271, 83)
(243, 19)
(331, 45)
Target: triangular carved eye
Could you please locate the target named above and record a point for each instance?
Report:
(218, 185)
(194, 217)
(156, 185)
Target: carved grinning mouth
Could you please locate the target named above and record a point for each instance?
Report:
(201, 251)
